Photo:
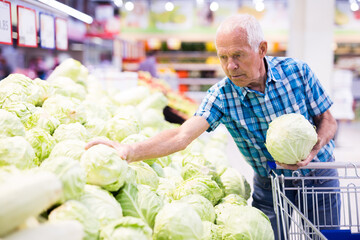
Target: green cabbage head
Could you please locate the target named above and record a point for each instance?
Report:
(145, 174)
(17, 151)
(244, 222)
(211, 231)
(201, 205)
(10, 124)
(199, 185)
(126, 228)
(178, 221)
(66, 110)
(19, 88)
(235, 183)
(68, 88)
(233, 199)
(71, 174)
(165, 189)
(70, 131)
(74, 210)
(290, 138)
(140, 201)
(196, 165)
(119, 127)
(44, 121)
(25, 111)
(132, 96)
(104, 167)
(101, 203)
(156, 100)
(41, 141)
(95, 127)
(69, 148)
(72, 69)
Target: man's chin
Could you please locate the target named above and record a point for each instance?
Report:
(238, 82)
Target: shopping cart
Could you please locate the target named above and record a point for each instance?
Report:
(296, 224)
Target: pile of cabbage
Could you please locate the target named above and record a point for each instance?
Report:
(192, 194)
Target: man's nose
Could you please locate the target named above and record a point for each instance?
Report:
(232, 64)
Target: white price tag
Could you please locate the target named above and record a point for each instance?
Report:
(26, 27)
(47, 31)
(61, 34)
(5, 23)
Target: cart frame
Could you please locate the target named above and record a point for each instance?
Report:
(295, 224)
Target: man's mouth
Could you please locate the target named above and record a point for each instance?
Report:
(236, 76)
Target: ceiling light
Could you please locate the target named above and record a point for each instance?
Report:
(214, 6)
(200, 2)
(129, 6)
(260, 6)
(169, 6)
(354, 6)
(68, 10)
(118, 3)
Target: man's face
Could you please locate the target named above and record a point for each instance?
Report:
(241, 64)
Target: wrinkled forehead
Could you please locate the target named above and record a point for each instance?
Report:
(234, 37)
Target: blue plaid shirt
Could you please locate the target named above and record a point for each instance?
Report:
(291, 87)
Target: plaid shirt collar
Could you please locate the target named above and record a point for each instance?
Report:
(272, 75)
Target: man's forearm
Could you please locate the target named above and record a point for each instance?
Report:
(165, 143)
(326, 128)
(168, 141)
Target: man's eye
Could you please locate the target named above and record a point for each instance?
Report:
(222, 57)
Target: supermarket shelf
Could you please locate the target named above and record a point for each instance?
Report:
(198, 81)
(190, 66)
(130, 66)
(193, 37)
(178, 66)
(197, 96)
(186, 54)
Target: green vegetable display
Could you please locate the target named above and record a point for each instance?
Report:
(191, 194)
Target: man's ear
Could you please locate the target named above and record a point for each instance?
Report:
(263, 48)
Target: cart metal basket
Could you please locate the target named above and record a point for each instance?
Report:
(295, 224)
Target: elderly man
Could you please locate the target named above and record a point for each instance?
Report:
(257, 89)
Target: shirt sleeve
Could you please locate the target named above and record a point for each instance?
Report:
(210, 109)
(317, 99)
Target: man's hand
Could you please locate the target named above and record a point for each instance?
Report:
(311, 155)
(122, 149)
(304, 162)
(162, 144)
(288, 166)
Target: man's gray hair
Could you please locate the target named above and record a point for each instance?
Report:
(247, 22)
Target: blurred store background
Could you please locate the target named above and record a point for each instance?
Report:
(112, 38)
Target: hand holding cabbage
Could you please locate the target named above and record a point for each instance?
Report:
(122, 149)
(287, 128)
(290, 139)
